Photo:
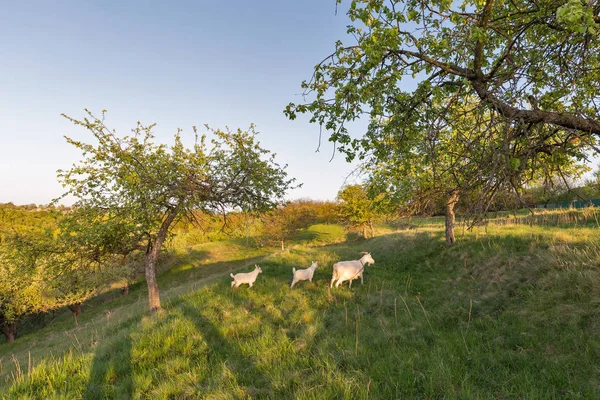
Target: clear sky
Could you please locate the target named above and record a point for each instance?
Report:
(176, 63)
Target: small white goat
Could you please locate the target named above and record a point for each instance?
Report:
(245, 277)
(304, 274)
(350, 270)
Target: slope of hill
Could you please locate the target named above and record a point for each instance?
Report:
(510, 311)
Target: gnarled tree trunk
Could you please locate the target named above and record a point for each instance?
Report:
(372, 229)
(364, 231)
(450, 218)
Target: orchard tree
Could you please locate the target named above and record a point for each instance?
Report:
(459, 157)
(528, 71)
(154, 185)
(356, 209)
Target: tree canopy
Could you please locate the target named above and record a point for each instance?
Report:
(532, 62)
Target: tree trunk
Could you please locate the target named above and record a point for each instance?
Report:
(9, 329)
(76, 310)
(150, 270)
(364, 231)
(452, 200)
(125, 290)
(372, 229)
(282, 247)
(151, 261)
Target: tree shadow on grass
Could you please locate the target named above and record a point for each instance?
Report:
(223, 351)
(111, 373)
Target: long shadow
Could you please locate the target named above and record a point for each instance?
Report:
(111, 373)
(222, 350)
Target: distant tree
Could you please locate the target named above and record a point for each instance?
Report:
(326, 211)
(22, 277)
(559, 186)
(594, 184)
(154, 185)
(356, 209)
(281, 223)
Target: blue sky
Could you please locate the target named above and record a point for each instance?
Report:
(175, 63)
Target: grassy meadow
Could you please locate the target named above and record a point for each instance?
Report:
(510, 311)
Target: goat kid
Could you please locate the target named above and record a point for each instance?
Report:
(245, 277)
(350, 270)
(304, 274)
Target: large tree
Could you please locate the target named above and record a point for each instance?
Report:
(154, 185)
(527, 70)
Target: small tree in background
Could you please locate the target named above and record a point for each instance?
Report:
(281, 224)
(154, 185)
(327, 211)
(356, 209)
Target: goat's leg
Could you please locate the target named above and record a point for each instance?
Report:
(332, 279)
(293, 283)
(361, 279)
(251, 283)
(350, 285)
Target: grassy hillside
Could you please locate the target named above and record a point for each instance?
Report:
(511, 311)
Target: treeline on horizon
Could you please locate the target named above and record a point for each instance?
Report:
(557, 190)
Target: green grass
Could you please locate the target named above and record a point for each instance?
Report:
(320, 234)
(508, 312)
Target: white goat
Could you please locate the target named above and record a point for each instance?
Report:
(245, 277)
(350, 270)
(304, 274)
